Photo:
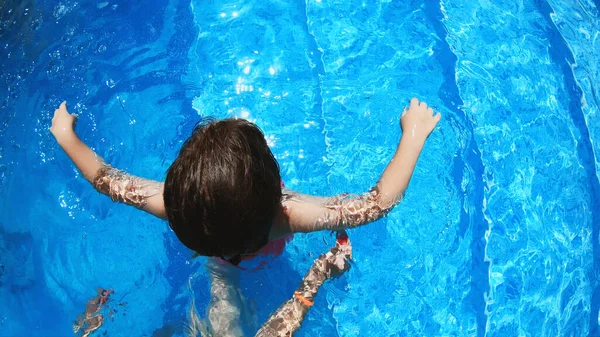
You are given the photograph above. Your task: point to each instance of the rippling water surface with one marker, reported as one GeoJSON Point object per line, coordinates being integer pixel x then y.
{"type": "Point", "coordinates": [498, 233]}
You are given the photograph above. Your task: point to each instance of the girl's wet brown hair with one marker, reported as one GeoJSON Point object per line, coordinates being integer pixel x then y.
{"type": "Point", "coordinates": [223, 190]}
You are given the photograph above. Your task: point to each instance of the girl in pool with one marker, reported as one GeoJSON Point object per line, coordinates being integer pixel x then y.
{"type": "Point", "coordinates": [223, 196]}
{"type": "Point", "coordinates": [286, 320]}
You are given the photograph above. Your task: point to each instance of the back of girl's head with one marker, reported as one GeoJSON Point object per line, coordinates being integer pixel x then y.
{"type": "Point", "coordinates": [223, 190]}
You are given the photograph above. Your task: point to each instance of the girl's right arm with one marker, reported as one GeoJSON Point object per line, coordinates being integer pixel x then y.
{"type": "Point", "coordinates": [120, 186]}
{"type": "Point", "coordinates": [304, 213]}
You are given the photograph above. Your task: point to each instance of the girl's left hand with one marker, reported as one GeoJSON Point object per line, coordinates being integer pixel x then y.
{"type": "Point", "coordinates": [62, 123]}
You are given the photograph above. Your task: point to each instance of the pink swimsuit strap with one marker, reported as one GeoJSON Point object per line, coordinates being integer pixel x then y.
{"type": "Point", "coordinates": [263, 256]}
{"type": "Point", "coordinates": [275, 247]}
{"type": "Point", "coordinates": [272, 249]}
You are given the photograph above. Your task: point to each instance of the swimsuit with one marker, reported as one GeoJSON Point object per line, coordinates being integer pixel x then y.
{"type": "Point", "coordinates": [262, 257]}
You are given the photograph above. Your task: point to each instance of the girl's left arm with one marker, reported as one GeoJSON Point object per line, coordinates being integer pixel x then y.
{"type": "Point", "coordinates": [131, 190]}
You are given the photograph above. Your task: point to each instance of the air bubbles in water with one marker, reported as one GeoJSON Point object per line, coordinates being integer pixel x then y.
{"type": "Point", "coordinates": [60, 11]}
{"type": "Point", "coordinates": [36, 24]}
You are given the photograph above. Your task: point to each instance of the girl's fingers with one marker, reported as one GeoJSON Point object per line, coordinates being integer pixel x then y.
{"type": "Point", "coordinates": [414, 102]}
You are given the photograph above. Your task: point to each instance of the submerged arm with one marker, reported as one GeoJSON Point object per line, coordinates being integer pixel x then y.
{"type": "Point", "coordinates": [288, 318]}
{"type": "Point", "coordinates": [120, 186]}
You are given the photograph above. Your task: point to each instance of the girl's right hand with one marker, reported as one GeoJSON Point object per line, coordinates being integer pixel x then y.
{"type": "Point", "coordinates": [62, 123]}
{"type": "Point", "coordinates": [418, 121]}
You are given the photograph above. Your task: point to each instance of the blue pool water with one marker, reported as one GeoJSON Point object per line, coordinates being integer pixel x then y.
{"type": "Point", "coordinates": [498, 234]}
